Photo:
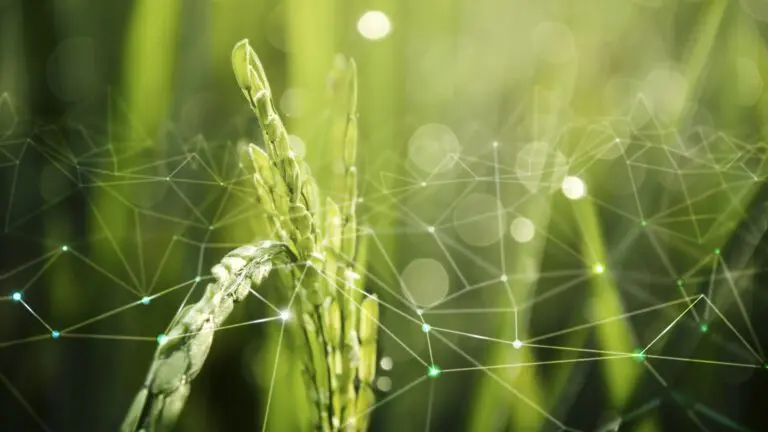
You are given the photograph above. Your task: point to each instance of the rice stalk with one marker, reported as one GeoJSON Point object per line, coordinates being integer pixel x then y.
{"type": "Point", "coordinates": [182, 351]}
{"type": "Point", "coordinates": [337, 325]}
{"type": "Point", "coordinates": [336, 322]}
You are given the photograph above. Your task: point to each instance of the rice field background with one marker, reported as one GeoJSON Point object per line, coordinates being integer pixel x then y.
{"type": "Point", "coordinates": [562, 204]}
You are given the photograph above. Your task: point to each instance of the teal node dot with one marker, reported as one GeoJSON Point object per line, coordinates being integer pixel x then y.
{"type": "Point", "coordinates": [16, 296]}
{"type": "Point", "coordinates": [704, 327]}
{"type": "Point", "coordinates": [55, 334]}
{"type": "Point", "coordinates": [639, 355]}
{"type": "Point", "coordinates": [426, 327]}
{"type": "Point", "coordinates": [433, 371]}
{"type": "Point", "coordinates": [162, 338]}
{"type": "Point", "coordinates": [145, 300]}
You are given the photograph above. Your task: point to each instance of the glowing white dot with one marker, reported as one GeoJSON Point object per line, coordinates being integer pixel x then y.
{"type": "Point", "coordinates": [374, 25]}
{"type": "Point", "coordinates": [522, 230]}
{"type": "Point", "coordinates": [285, 315]}
{"type": "Point", "coordinates": [598, 268]}
{"type": "Point", "coordinates": [517, 344]}
{"type": "Point", "coordinates": [384, 384]}
{"type": "Point", "coordinates": [574, 188]}
{"type": "Point", "coordinates": [503, 278]}
{"type": "Point", "coordinates": [431, 229]}
{"type": "Point", "coordinates": [386, 363]}
{"type": "Point", "coordinates": [65, 248]}
{"type": "Point", "coordinates": [495, 144]}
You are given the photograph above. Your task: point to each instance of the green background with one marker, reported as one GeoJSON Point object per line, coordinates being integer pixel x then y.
{"type": "Point", "coordinates": [102, 100]}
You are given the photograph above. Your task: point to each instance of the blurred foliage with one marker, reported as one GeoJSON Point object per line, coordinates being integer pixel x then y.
{"type": "Point", "coordinates": [658, 105]}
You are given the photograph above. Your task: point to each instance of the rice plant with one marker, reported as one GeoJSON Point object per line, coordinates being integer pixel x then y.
{"type": "Point", "coordinates": [333, 320]}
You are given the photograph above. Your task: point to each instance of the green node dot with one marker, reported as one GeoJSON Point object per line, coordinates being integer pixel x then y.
{"type": "Point", "coordinates": [704, 327]}
{"type": "Point", "coordinates": [598, 268]}
{"type": "Point", "coordinates": [426, 327]}
{"type": "Point", "coordinates": [644, 223]}
{"type": "Point", "coordinates": [639, 355]}
{"type": "Point", "coordinates": [680, 282]}
{"type": "Point", "coordinates": [433, 371]}
{"type": "Point", "coordinates": [717, 251]}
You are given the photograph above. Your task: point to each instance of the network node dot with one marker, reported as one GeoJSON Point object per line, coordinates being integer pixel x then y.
{"type": "Point", "coordinates": [431, 229]}
{"type": "Point", "coordinates": [64, 248]}
{"type": "Point", "coordinates": [598, 268]}
{"type": "Point", "coordinates": [419, 311]}
{"type": "Point", "coordinates": [198, 279]}
{"type": "Point", "coordinates": [433, 371]}
{"type": "Point", "coordinates": [423, 184]}
{"type": "Point", "coordinates": [517, 344]}
{"type": "Point", "coordinates": [704, 327]}
{"type": "Point", "coordinates": [55, 334]}
{"type": "Point", "coordinates": [426, 328]}
{"type": "Point", "coordinates": [211, 227]}
{"type": "Point", "coordinates": [145, 300]}
{"type": "Point", "coordinates": [285, 315]}
{"type": "Point", "coordinates": [639, 355]}
{"type": "Point", "coordinates": [495, 144]}
{"type": "Point", "coordinates": [644, 223]}
{"type": "Point", "coordinates": [680, 282]}
{"type": "Point", "coordinates": [504, 278]}
{"type": "Point", "coordinates": [717, 251]}
{"type": "Point", "coordinates": [16, 296]}
{"type": "Point", "coordinates": [162, 338]}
